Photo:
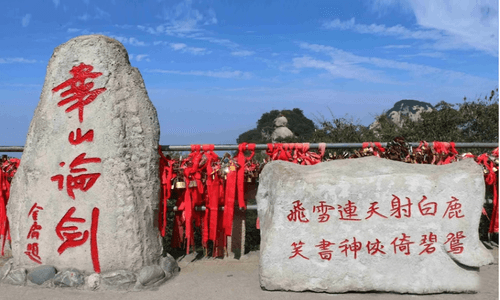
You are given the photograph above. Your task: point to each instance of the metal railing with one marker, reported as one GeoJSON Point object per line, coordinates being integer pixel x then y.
{"type": "Point", "coordinates": [264, 146]}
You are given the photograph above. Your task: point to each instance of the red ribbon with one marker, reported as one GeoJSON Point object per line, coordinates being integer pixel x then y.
{"type": "Point", "coordinates": [376, 147]}
{"type": "Point", "coordinates": [242, 160]}
{"type": "Point", "coordinates": [229, 199]}
{"type": "Point", "coordinates": [491, 179]}
{"type": "Point", "coordinates": [445, 148]}
{"type": "Point", "coordinates": [166, 176]}
{"type": "Point", "coordinates": [4, 198]}
{"type": "Point", "coordinates": [212, 204]}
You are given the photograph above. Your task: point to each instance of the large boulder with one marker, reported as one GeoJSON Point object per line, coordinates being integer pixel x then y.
{"type": "Point", "coordinates": [85, 193]}
{"type": "Point", "coordinates": [371, 224]}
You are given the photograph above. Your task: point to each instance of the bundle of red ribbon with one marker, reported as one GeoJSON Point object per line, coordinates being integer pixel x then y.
{"type": "Point", "coordinates": [7, 172]}
{"type": "Point", "coordinates": [205, 180]}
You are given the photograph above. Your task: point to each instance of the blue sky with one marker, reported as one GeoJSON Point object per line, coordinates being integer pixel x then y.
{"type": "Point", "coordinates": [212, 68]}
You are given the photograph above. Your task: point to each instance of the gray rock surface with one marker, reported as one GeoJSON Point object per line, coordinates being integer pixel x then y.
{"type": "Point", "coordinates": [113, 212]}
{"type": "Point", "coordinates": [120, 280]}
{"type": "Point", "coordinates": [169, 265]}
{"type": "Point", "coordinates": [150, 275]}
{"type": "Point", "coordinates": [5, 269]}
{"type": "Point", "coordinates": [41, 274]}
{"type": "Point", "coordinates": [281, 133]}
{"type": "Point", "coordinates": [324, 246]}
{"type": "Point", "coordinates": [93, 281]}
{"type": "Point", "coordinates": [280, 121]}
{"type": "Point", "coordinates": [16, 277]}
{"type": "Point", "coordinates": [69, 278]}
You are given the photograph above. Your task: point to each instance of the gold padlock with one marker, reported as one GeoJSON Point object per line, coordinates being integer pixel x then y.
{"type": "Point", "coordinates": [192, 184]}
{"type": "Point", "coordinates": [249, 179]}
{"type": "Point", "coordinates": [180, 185]}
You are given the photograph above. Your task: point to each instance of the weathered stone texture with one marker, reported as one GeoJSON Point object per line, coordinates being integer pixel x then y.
{"type": "Point", "coordinates": [41, 274]}
{"type": "Point", "coordinates": [16, 277]}
{"type": "Point", "coordinates": [126, 136]}
{"type": "Point", "coordinates": [150, 275]}
{"type": "Point", "coordinates": [286, 242]}
{"type": "Point", "coordinates": [69, 278]}
{"type": "Point", "coordinates": [119, 280]}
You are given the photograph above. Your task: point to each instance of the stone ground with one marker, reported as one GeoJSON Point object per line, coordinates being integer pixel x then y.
{"type": "Point", "coordinates": [233, 279]}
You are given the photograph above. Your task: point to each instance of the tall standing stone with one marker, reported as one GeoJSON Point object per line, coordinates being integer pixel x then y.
{"type": "Point", "coordinates": [86, 190]}
{"type": "Point", "coordinates": [371, 224]}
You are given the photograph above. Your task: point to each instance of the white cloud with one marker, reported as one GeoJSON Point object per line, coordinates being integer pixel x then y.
{"type": "Point", "coordinates": [222, 42]}
{"type": "Point", "coordinates": [17, 60]}
{"type": "Point", "coordinates": [348, 65]}
{"type": "Point", "coordinates": [178, 46]}
{"type": "Point", "coordinates": [425, 54]}
{"type": "Point", "coordinates": [56, 2]}
{"type": "Point", "coordinates": [84, 17]}
{"type": "Point", "coordinates": [101, 14]}
{"type": "Point", "coordinates": [242, 53]}
{"type": "Point", "coordinates": [383, 7]}
{"type": "Point", "coordinates": [340, 70]}
{"type": "Point", "coordinates": [216, 74]}
{"type": "Point", "coordinates": [449, 24]}
{"type": "Point", "coordinates": [396, 46]}
{"type": "Point", "coordinates": [397, 30]}
{"type": "Point", "coordinates": [139, 57]}
{"type": "Point", "coordinates": [129, 41]}
{"type": "Point", "coordinates": [183, 19]}
{"type": "Point", "coordinates": [469, 24]}
{"type": "Point", "coordinates": [183, 48]}
{"type": "Point", "coordinates": [26, 20]}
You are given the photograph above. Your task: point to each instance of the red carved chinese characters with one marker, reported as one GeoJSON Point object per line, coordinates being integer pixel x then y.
{"type": "Point", "coordinates": [79, 94]}
{"type": "Point", "coordinates": [374, 210]}
{"type": "Point", "coordinates": [87, 137]}
{"type": "Point", "coordinates": [297, 213]}
{"type": "Point", "coordinates": [34, 233]}
{"type": "Point", "coordinates": [348, 213]}
{"type": "Point", "coordinates": [429, 208]}
{"type": "Point", "coordinates": [453, 209]}
{"type": "Point", "coordinates": [325, 253]}
{"type": "Point", "coordinates": [297, 249]}
{"type": "Point", "coordinates": [322, 209]}
{"type": "Point", "coordinates": [427, 241]}
{"type": "Point", "coordinates": [81, 182]}
{"type": "Point", "coordinates": [32, 252]}
{"type": "Point", "coordinates": [399, 209]}
{"type": "Point", "coordinates": [374, 248]}
{"type": "Point", "coordinates": [354, 247]}
{"type": "Point", "coordinates": [79, 90]}
{"type": "Point", "coordinates": [71, 237]}
{"type": "Point", "coordinates": [453, 240]}
{"type": "Point", "coordinates": [403, 245]}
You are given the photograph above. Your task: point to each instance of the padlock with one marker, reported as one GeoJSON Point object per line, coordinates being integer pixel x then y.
{"type": "Point", "coordinates": [180, 185]}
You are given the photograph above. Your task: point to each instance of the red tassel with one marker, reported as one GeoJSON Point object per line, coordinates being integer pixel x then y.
{"type": "Point", "coordinates": [166, 176]}
{"type": "Point", "coordinates": [229, 199]}
{"type": "Point", "coordinates": [4, 198]}
{"type": "Point", "coordinates": [241, 175]}
{"type": "Point", "coordinates": [178, 232]}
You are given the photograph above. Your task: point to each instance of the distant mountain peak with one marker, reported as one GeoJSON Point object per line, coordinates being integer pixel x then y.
{"type": "Point", "coordinates": [405, 107]}
{"type": "Point", "coordinates": [409, 107]}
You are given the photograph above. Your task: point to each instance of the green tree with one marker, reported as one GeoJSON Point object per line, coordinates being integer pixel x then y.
{"type": "Point", "coordinates": [302, 127]}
